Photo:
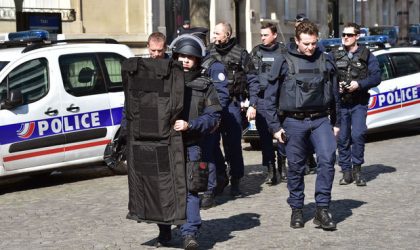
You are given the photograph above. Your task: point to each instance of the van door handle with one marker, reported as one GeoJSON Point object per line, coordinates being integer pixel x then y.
{"type": "Point", "coordinates": [73, 108]}
{"type": "Point", "coordinates": [51, 112]}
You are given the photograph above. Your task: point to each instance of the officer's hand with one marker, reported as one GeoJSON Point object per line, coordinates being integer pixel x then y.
{"type": "Point", "coordinates": [251, 113]}
{"type": "Point", "coordinates": [336, 131]}
{"type": "Point", "coordinates": [340, 89]}
{"type": "Point", "coordinates": [280, 136]}
{"type": "Point", "coordinates": [353, 86]}
{"type": "Point", "coordinates": [180, 125]}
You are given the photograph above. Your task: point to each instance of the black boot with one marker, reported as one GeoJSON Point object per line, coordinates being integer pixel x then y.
{"type": "Point", "coordinates": [296, 220]}
{"type": "Point", "coordinates": [190, 242]}
{"type": "Point", "coordinates": [323, 219]}
{"type": "Point", "coordinates": [272, 174]}
{"type": "Point", "coordinates": [357, 175]}
{"type": "Point", "coordinates": [222, 182]}
{"type": "Point", "coordinates": [165, 236]}
{"type": "Point", "coordinates": [347, 178]}
{"type": "Point", "coordinates": [234, 187]}
{"type": "Point", "coordinates": [207, 201]}
{"type": "Point", "coordinates": [282, 167]}
{"type": "Point", "coordinates": [311, 164]}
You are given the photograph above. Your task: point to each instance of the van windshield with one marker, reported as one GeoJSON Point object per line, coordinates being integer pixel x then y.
{"type": "Point", "coordinates": [382, 31]}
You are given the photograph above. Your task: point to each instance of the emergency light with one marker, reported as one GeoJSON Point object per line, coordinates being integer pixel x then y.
{"type": "Point", "coordinates": [28, 35]}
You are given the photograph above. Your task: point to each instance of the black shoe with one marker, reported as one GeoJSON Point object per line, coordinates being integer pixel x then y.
{"type": "Point", "coordinates": [296, 220]}
{"type": "Point", "coordinates": [323, 219]}
{"type": "Point", "coordinates": [207, 201]}
{"type": "Point", "coordinates": [165, 236]}
{"type": "Point", "coordinates": [190, 242]}
{"type": "Point", "coordinates": [310, 165]}
{"type": "Point", "coordinates": [272, 174]}
{"type": "Point", "coordinates": [222, 182]}
{"type": "Point", "coordinates": [347, 178]}
{"type": "Point", "coordinates": [282, 168]}
{"type": "Point", "coordinates": [357, 175]}
{"type": "Point", "coordinates": [234, 187]}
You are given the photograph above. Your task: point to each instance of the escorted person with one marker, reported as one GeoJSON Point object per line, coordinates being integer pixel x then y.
{"type": "Point", "coordinates": [263, 56]}
{"type": "Point", "coordinates": [156, 44]}
{"type": "Point", "coordinates": [358, 72]}
{"type": "Point", "coordinates": [151, 192]}
{"type": "Point", "coordinates": [304, 89]}
{"type": "Point", "coordinates": [242, 79]}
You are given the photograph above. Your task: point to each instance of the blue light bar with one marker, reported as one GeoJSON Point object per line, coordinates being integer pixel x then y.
{"type": "Point", "coordinates": [28, 35]}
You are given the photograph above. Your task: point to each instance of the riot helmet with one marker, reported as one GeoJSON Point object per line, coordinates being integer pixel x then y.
{"type": "Point", "coordinates": [188, 45]}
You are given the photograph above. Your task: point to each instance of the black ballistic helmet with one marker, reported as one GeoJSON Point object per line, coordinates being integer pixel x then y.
{"type": "Point", "coordinates": [189, 46]}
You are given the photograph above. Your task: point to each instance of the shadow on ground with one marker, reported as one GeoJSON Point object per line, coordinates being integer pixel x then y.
{"type": "Point", "coordinates": [209, 237]}
{"type": "Point", "coordinates": [340, 209]}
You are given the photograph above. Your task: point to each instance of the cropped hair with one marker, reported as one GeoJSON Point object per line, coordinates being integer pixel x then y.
{"type": "Point", "coordinates": [355, 26]}
{"type": "Point", "coordinates": [227, 27]}
{"type": "Point", "coordinates": [269, 25]}
{"type": "Point", "coordinates": [157, 36]}
{"type": "Point", "coordinates": [306, 28]}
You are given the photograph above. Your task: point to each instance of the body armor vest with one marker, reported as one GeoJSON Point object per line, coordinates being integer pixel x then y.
{"type": "Point", "coordinates": [263, 58]}
{"type": "Point", "coordinates": [307, 86]}
{"type": "Point", "coordinates": [237, 81]}
{"type": "Point", "coordinates": [352, 68]}
{"type": "Point", "coordinates": [154, 93]}
{"type": "Point", "coordinates": [201, 97]}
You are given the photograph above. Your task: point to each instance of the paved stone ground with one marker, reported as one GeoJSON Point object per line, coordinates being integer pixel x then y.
{"type": "Point", "coordinates": [86, 209]}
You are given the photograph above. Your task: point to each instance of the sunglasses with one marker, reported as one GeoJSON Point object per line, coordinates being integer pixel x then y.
{"type": "Point", "coordinates": [348, 35]}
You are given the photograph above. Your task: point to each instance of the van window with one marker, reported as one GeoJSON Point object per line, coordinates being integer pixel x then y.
{"type": "Point", "coordinates": [404, 64]}
{"type": "Point", "coordinates": [81, 74]}
{"type": "Point", "coordinates": [31, 78]}
{"type": "Point", "coordinates": [113, 70]}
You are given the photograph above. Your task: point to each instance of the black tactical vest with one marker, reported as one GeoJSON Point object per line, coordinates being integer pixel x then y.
{"type": "Point", "coordinates": [352, 68]}
{"type": "Point", "coordinates": [237, 81]}
{"type": "Point", "coordinates": [307, 87]}
{"type": "Point", "coordinates": [263, 58]}
{"type": "Point", "coordinates": [154, 93]}
{"type": "Point", "coordinates": [203, 95]}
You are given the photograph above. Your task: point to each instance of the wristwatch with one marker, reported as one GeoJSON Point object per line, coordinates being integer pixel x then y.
{"type": "Point", "coordinates": [189, 126]}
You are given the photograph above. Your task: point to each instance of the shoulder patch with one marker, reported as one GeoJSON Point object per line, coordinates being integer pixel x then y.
{"type": "Point", "coordinates": [221, 77]}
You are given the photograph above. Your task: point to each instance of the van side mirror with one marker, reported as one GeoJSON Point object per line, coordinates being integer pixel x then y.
{"type": "Point", "coordinates": [15, 99]}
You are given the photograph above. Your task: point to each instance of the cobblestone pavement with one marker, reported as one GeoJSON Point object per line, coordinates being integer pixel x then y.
{"type": "Point", "coordinates": [86, 209]}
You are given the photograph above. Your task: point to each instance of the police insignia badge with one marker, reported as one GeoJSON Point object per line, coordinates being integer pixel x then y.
{"type": "Point", "coordinates": [221, 76]}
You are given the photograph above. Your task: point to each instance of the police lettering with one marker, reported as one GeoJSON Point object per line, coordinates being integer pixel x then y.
{"type": "Point", "coordinates": [399, 96]}
{"type": "Point", "coordinates": [69, 123]}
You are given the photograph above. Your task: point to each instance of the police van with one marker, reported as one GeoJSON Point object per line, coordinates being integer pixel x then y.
{"type": "Point", "coordinates": [60, 103]}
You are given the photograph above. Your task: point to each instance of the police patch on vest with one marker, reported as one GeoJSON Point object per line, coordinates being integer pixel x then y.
{"type": "Point", "coordinates": [221, 77]}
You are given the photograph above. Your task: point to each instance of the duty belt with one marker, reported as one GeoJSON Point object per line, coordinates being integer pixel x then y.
{"type": "Point", "coordinates": [303, 115]}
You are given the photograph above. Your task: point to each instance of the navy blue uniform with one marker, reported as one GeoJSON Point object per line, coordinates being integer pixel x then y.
{"type": "Point", "coordinates": [351, 140]}
{"type": "Point", "coordinates": [305, 127]}
{"type": "Point", "coordinates": [211, 146]}
{"type": "Point", "coordinates": [231, 127]}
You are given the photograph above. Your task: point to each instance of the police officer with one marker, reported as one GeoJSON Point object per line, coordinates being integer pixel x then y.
{"type": "Point", "coordinates": [214, 69]}
{"type": "Point", "coordinates": [200, 117]}
{"type": "Point", "coordinates": [358, 72]}
{"type": "Point", "coordinates": [263, 56]}
{"type": "Point", "coordinates": [304, 89]}
{"type": "Point", "coordinates": [241, 78]}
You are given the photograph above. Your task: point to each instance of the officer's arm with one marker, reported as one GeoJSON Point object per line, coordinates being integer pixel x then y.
{"type": "Point", "coordinates": [218, 74]}
{"type": "Point", "coordinates": [373, 78]}
{"type": "Point", "coordinates": [335, 113]}
{"type": "Point", "coordinates": [209, 119]}
{"type": "Point", "coordinates": [252, 78]}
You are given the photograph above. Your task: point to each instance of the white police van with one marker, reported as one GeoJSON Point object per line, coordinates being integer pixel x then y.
{"type": "Point", "coordinates": [60, 103]}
